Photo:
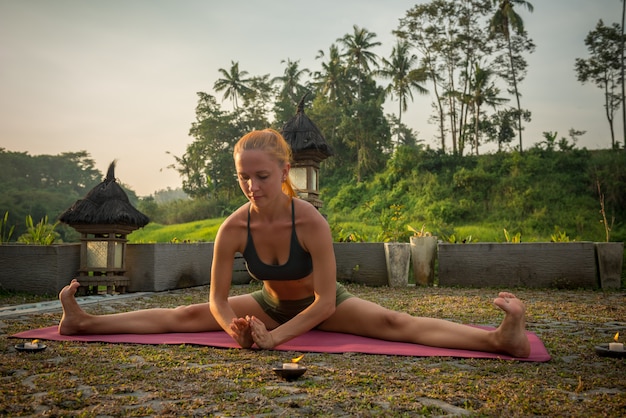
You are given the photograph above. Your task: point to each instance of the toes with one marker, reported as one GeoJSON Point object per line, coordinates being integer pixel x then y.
{"type": "Point", "coordinates": [507, 295]}
{"type": "Point", "coordinates": [501, 303]}
{"type": "Point", "coordinates": [510, 305]}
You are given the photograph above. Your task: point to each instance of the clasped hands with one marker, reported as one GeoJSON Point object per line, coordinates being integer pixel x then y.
{"type": "Point", "coordinates": [251, 330]}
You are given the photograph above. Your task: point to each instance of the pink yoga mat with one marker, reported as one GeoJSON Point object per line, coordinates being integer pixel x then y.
{"type": "Point", "coordinates": [312, 341]}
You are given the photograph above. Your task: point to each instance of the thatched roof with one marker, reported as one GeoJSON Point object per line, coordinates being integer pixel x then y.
{"type": "Point", "coordinates": [105, 204]}
{"type": "Point", "coordinates": [302, 134]}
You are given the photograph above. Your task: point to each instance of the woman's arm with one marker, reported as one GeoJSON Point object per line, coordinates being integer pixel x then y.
{"type": "Point", "coordinates": [226, 245]}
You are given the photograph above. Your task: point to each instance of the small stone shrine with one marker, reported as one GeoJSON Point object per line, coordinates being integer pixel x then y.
{"type": "Point", "coordinates": [104, 217]}
{"type": "Point", "coordinates": [309, 149]}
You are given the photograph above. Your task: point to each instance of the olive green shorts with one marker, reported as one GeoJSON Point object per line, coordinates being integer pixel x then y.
{"type": "Point", "coordinates": [282, 311]}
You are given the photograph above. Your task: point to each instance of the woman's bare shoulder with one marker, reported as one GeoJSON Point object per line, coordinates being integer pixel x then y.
{"type": "Point", "coordinates": [235, 221]}
{"type": "Point", "coordinates": [309, 221]}
{"type": "Point", "coordinates": [307, 213]}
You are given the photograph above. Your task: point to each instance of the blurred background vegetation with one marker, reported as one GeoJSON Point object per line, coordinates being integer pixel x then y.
{"type": "Point", "coordinates": [543, 194]}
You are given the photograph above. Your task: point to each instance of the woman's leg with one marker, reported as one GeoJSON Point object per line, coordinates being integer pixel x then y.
{"type": "Point", "coordinates": [361, 317]}
{"type": "Point", "coordinates": [192, 318]}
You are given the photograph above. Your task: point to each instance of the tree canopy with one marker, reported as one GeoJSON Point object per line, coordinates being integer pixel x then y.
{"type": "Point", "coordinates": [603, 68]}
{"type": "Point", "coordinates": [468, 57]}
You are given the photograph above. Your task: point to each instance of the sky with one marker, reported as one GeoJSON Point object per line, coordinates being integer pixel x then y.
{"type": "Point", "coordinates": [119, 78]}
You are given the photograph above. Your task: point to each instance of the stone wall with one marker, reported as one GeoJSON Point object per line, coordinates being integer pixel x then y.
{"type": "Point", "coordinates": [568, 265]}
{"type": "Point", "coordinates": [158, 267]}
{"type": "Point", "coordinates": [361, 262]}
{"type": "Point", "coordinates": [38, 269]}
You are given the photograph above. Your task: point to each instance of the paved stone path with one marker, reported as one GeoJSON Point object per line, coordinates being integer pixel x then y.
{"type": "Point", "coordinates": [55, 305]}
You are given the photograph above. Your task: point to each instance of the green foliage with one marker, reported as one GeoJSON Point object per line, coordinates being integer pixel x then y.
{"type": "Point", "coordinates": [393, 225]}
{"type": "Point", "coordinates": [517, 238]}
{"type": "Point", "coordinates": [342, 235]}
{"type": "Point", "coordinates": [419, 232]}
{"type": "Point", "coordinates": [528, 193]}
{"type": "Point", "coordinates": [609, 185]}
{"type": "Point", "coordinates": [452, 239]}
{"type": "Point", "coordinates": [188, 210]}
{"type": "Point", "coordinates": [198, 231]}
{"type": "Point", "coordinates": [559, 236]}
{"type": "Point", "coordinates": [207, 165]}
{"type": "Point", "coordinates": [43, 184]}
{"type": "Point", "coordinates": [348, 229]}
{"type": "Point", "coordinates": [42, 233]}
{"type": "Point", "coordinates": [460, 199]}
{"type": "Point", "coordinates": [5, 231]}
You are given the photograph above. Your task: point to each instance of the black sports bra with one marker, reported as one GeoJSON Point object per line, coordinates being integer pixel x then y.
{"type": "Point", "coordinates": [298, 266]}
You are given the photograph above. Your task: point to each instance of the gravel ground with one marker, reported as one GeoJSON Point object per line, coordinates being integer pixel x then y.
{"type": "Point", "coordinates": [94, 379]}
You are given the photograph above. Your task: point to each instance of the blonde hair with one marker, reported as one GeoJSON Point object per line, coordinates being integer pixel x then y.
{"type": "Point", "coordinates": [273, 143]}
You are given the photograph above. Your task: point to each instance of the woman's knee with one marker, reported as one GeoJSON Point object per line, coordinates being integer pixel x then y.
{"type": "Point", "coordinates": [395, 320]}
{"type": "Point", "coordinates": [190, 313]}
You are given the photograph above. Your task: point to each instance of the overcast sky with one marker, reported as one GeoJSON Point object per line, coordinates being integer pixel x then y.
{"type": "Point", "coordinates": [118, 78]}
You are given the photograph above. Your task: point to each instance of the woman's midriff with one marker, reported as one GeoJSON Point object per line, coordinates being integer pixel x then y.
{"type": "Point", "coordinates": [290, 290]}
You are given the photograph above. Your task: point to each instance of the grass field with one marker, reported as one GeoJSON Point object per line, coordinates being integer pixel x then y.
{"type": "Point", "coordinates": [204, 230]}
{"type": "Point", "coordinates": [96, 379]}
{"type": "Point", "coordinates": [343, 229]}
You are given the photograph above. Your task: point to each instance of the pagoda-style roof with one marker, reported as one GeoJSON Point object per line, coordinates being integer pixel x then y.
{"type": "Point", "coordinates": [105, 204]}
{"type": "Point", "coordinates": [302, 134]}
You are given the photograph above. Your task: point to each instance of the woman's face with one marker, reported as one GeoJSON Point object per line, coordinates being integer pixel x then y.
{"type": "Point", "coordinates": [260, 176]}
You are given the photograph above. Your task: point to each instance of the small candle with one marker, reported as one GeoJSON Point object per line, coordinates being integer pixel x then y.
{"type": "Point", "coordinates": [31, 345]}
{"type": "Point", "coordinates": [290, 365]}
{"type": "Point", "coordinates": [616, 346]}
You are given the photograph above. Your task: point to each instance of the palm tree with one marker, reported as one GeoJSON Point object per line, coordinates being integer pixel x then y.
{"type": "Point", "coordinates": [357, 49]}
{"type": "Point", "coordinates": [502, 21]}
{"type": "Point", "coordinates": [233, 84]}
{"type": "Point", "coordinates": [482, 92]}
{"type": "Point", "coordinates": [329, 81]}
{"type": "Point", "coordinates": [622, 75]}
{"type": "Point", "coordinates": [404, 77]}
{"type": "Point", "coordinates": [292, 87]}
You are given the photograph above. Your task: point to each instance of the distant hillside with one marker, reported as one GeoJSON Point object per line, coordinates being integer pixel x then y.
{"type": "Point", "coordinates": [168, 195]}
{"type": "Point", "coordinates": [537, 194]}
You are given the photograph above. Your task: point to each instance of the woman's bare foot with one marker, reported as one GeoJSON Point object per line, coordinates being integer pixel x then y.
{"type": "Point", "coordinates": [511, 335]}
{"type": "Point", "coordinates": [72, 313]}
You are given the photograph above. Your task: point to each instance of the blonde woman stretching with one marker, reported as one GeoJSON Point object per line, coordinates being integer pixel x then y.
{"type": "Point", "coordinates": [287, 245]}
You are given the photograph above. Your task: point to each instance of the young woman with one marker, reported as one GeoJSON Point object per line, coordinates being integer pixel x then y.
{"type": "Point", "coordinates": [287, 244]}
